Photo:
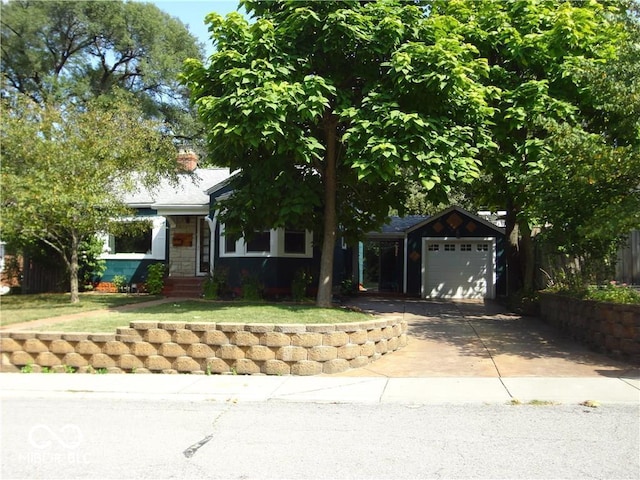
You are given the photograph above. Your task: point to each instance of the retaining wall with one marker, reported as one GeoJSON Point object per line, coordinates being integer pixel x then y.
{"type": "Point", "coordinates": [169, 347]}
{"type": "Point", "coordinates": [605, 327]}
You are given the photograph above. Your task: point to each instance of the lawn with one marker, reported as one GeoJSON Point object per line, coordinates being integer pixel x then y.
{"type": "Point", "coordinates": [206, 311]}
{"type": "Point", "coordinates": [23, 308]}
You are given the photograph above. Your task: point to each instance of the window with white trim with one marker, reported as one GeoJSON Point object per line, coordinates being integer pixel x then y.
{"type": "Point", "coordinates": [482, 247]}
{"type": "Point", "coordinates": [138, 242]}
{"type": "Point", "coordinates": [465, 247]}
{"type": "Point", "coordinates": [449, 247]}
{"type": "Point", "coordinates": [278, 242]}
{"type": "Point", "coordinates": [433, 247]}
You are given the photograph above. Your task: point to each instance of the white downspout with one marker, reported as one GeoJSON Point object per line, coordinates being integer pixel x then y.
{"type": "Point", "coordinates": [212, 243]}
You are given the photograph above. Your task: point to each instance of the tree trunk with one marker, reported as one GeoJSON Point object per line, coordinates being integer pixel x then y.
{"type": "Point", "coordinates": [514, 273]}
{"type": "Point", "coordinates": [325, 283]}
{"type": "Point", "coordinates": [73, 268]}
{"type": "Point", "coordinates": [527, 257]}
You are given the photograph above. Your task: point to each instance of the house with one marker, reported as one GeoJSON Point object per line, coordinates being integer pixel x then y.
{"type": "Point", "coordinates": [454, 254]}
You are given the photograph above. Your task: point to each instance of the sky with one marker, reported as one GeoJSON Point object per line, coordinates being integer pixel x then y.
{"type": "Point", "coordinates": [192, 13]}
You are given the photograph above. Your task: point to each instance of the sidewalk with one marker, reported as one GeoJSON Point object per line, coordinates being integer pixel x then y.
{"type": "Point", "coordinates": [319, 389]}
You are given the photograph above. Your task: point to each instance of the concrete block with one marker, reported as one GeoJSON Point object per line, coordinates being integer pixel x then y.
{"type": "Point", "coordinates": [290, 328]}
{"type": "Point", "coordinates": [127, 331]}
{"type": "Point", "coordinates": [306, 339]}
{"type": "Point", "coordinates": [34, 345]}
{"type": "Point", "coordinates": [157, 363]}
{"type": "Point", "coordinates": [349, 351]}
{"type": "Point", "coordinates": [402, 340]}
{"type": "Point", "coordinates": [245, 366]}
{"type": "Point", "coordinates": [382, 347]}
{"type": "Point", "coordinates": [349, 327]}
{"type": "Point", "coordinates": [244, 339]}
{"type": "Point", "coordinates": [87, 347]}
{"type": "Point", "coordinates": [260, 327]}
{"type": "Point", "coordinates": [215, 337]}
{"type": "Point", "coordinates": [359, 362]}
{"type": "Point", "coordinates": [10, 345]}
{"type": "Point", "coordinates": [61, 346]}
{"type": "Point", "coordinates": [75, 337]}
{"type": "Point", "coordinates": [115, 348]}
{"type": "Point", "coordinates": [276, 367]}
{"type": "Point", "coordinates": [102, 337]}
{"type": "Point", "coordinates": [306, 367]}
{"type": "Point", "coordinates": [171, 350]}
{"type": "Point", "coordinates": [143, 325]}
{"type": "Point", "coordinates": [260, 353]}
{"type": "Point", "coordinates": [291, 354]}
{"type": "Point", "coordinates": [186, 364]}
{"type": "Point", "coordinates": [276, 339]}
{"type": "Point", "coordinates": [387, 333]}
{"type": "Point", "coordinates": [200, 326]}
{"type": "Point", "coordinates": [200, 350]}
{"type": "Point", "coordinates": [393, 344]}
{"type": "Point", "coordinates": [320, 327]}
{"type": "Point", "coordinates": [112, 370]}
{"type": "Point", "coordinates": [47, 359]}
{"type": "Point", "coordinates": [368, 349]}
{"type": "Point", "coordinates": [74, 360]}
{"type": "Point", "coordinates": [142, 370]}
{"type": "Point", "coordinates": [157, 335]}
{"type": "Point", "coordinates": [185, 337]}
{"type": "Point", "coordinates": [49, 336]}
{"type": "Point", "coordinates": [8, 368]}
{"type": "Point", "coordinates": [322, 353]}
{"type": "Point", "coordinates": [375, 334]}
{"type": "Point", "coordinates": [143, 349]}
{"type": "Point", "coordinates": [22, 335]}
{"type": "Point", "coordinates": [359, 337]}
{"type": "Point", "coordinates": [229, 352]}
{"type": "Point", "coordinates": [216, 365]}
{"type": "Point", "coordinates": [100, 360]}
{"type": "Point", "coordinates": [335, 339]}
{"type": "Point", "coordinates": [336, 365]}
{"type": "Point", "coordinates": [130, 362]}
{"type": "Point", "coordinates": [230, 327]}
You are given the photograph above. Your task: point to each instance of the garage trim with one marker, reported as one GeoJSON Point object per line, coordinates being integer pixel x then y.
{"type": "Point", "coordinates": [491, 276]}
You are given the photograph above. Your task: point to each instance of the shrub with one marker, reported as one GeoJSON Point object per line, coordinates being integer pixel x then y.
{"type": "Point", "coordinates": [613, 292]}
{"type": "Point", "coordinates": [120, 282]}
{"type": "Point", "coordinates": [301, 281]}
{"type": "Point", "coordinates": [155, 278]}
{"type": "Point", "coordinates": [251, 287]}
{"type": "Point", "coordinates": [215, 286]}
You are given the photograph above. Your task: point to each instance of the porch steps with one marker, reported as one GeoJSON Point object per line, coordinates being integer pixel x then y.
{"type": "Point", "coordinates": [183, 287]}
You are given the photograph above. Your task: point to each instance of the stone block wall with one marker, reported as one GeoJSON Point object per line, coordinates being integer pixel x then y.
{"type": "Point", "coordinates": [171, 347]}
{"type": "Point", "coordinates": [605, 327]}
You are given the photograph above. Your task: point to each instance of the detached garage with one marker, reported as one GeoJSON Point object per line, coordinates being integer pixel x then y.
{"type": "Point", "coordinates": [453, 255]}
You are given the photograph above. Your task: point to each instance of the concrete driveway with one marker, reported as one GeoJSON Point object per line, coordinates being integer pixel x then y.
{"type": "Point", "coordinates": [475, 338]}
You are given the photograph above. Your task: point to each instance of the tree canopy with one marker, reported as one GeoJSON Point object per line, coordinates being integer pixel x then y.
{"type": "Point", "coordinates": [63, 171]}
{"type": "Point", "coordinates": [328, 108]}
{"type": "Point", "coordinates": [57, 52]}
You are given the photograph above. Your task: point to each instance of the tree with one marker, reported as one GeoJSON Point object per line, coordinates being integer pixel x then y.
{"type": "Point", "coordinates": [63, 171]}
{"type": "Point", "coordinates": [328, 108]}
{"type": "Point", "coordinates": [56, 52]}
{"type": "Point", "coordinates": [537, 51]}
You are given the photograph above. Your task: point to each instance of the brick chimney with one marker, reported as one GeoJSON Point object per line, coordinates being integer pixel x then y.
{"type": "Point", "coordinates": [187, 160]}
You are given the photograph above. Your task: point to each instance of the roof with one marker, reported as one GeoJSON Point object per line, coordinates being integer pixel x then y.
{"type": "Point", "coordinates": [189, 195]}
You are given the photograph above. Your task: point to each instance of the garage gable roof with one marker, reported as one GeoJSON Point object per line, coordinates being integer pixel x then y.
{"type": "Point", "coordinates": [460, 210]}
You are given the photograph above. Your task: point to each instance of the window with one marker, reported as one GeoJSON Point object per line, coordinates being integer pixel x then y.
{"type": "Point", "coordinates": [135, 241]}
{"type": "Point", "coordinates": [465, 247]}
{"type": "Point", "coordinates": [272, 243]}
{"type": "Point", "coordinates": [260, 242]}
{"type": "Point", "coordinates": [132, 242]}
{"type": "Point", "coordinates": [482, 247]}
{"type": "Point", "coordinates": [433, 247]}
{"type": "Point", "coordinates": [295, 242]}
{"type": "Point", "coordinates": [449, 247]}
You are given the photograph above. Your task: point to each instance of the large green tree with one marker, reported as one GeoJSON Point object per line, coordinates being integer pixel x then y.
{"type": "Point", "coordinates": [64, 170]}
{"type": "Point", "coordinates": [327, 109]}
{"type": "Point", "coordinates": [537, 51]}
{"type": "Point", "coordinates": [57, 52]}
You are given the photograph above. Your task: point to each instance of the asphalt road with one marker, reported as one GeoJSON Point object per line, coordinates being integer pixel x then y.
{"type": "Point", "coordinates": [51, 437]}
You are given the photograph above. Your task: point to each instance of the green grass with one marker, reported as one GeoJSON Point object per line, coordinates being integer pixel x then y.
{"type": "Point", "coordinates": [204, 311]}
{"type": "Point", "coordinates": [23, 308]}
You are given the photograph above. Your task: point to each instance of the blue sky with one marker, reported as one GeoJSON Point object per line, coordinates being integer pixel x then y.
{"type": "Point", "coordinates": [192, 13]}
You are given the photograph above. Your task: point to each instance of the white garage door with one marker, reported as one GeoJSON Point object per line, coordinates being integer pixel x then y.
{"type": "Point", "coordinates": [458, 268]}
